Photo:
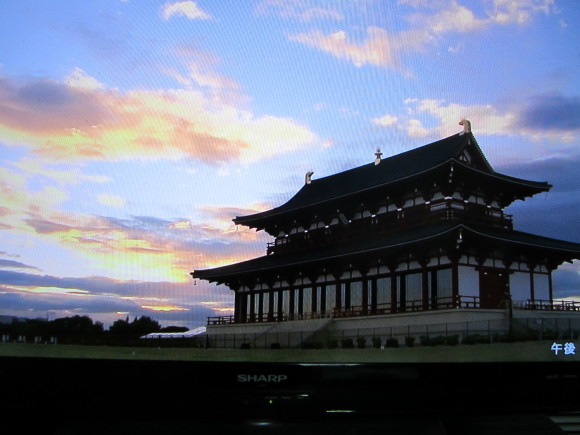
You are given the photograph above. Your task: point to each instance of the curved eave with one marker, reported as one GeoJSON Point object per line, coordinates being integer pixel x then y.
{"type": "Point", "coordinates": [253, 220]}
{"type": "Point", "coordinates": [258, 220]}
{"type": "Point", "coordinates": [569, 250]}
{"type": "Point", "coordinates": [538, 186]}
{"type": "Point", "coordinates": [334, 253]}
{"type": "Point", "coordinates": [524, 242]}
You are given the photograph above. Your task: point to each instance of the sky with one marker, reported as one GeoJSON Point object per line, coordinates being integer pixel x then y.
{"type": "Point", "coordinates": [132, 132]}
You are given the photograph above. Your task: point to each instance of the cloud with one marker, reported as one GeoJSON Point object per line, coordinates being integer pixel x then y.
{"type": "Point", "coordinates": [80, 79]}
{"type": "Point", "coordinates": [551, 112]}
{"type": "Point", "coordinates": [566, 281]}
{"type": "Point", "coordinates": [32, 295]}
{"type": "Point", "coordinates": [415, 128]}
{"type": "Point", "coordinates": [63, 123]}
{"type": "Point", "coordinates": [382, 48]}
{"type": "Point", "coordinates": [550, 117]}
{"type": "Point", "coordinates": [374, 50]}
{"type": "Point", "coordinates": [454, 18]}
{"type": "Point", "coordinates": [4, 264]}
{"type": "Point", "coordinates": [110, 200]}
{"type": "Point", "coordinates": [488, 118]}
{"type": "Point", "coordinates": [518, 11]}
{"type": "Point", "coordinates": [153, 248]}
{"type": "Point", "coordinates": [298, 9]}
{"type": "Point", "coordinates": [61, 173]}
{"type": "Point", "coordinates": [188, 9]}
{"type": "Point", "coordinates": [385, 120]}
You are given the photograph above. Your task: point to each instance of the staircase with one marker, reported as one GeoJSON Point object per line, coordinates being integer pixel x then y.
{"type": "Point", "coordinates": [293, 334]}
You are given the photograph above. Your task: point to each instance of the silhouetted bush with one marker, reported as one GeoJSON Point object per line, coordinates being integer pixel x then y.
{"type": "Point", "coordinates": [392, 342]}
{"type": "Point", "coordinates": [452, 340]}
{"type": "Point", "coordinates": [476, 339]}
{"type": "Point", "coordinates": [312, 345]}
{"type": "Point", "coordinates": [347, 343]}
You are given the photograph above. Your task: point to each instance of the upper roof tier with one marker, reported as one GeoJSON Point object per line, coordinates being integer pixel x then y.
{"type": "Point", "coordinates": [391, 174]}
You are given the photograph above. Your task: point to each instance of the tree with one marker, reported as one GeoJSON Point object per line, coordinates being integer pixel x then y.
{"type": "Point", "coordinates": [125, 332]}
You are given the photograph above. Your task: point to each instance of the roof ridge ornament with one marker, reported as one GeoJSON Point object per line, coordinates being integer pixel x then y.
{"type": "Point", "coordinates": [466, 126]}
{"type": "Point", "coordinates": [308, 177]}
{"type": "Point", "coordinates": [378, 156]}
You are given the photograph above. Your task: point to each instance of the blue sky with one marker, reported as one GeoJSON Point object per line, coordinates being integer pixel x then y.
{"type": "Point", "coordinates": [132, 132]}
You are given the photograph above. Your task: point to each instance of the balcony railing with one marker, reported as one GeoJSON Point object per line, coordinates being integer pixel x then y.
{"type": "Point", "coordinates": [395, 220]}
{"type": "Point", "coordinates": [445, 303]}
{"type": "Point", "coordinates": [545, 305]}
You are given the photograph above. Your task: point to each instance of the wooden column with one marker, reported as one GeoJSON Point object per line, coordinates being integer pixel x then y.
{"type": "Point", "coordinates": [347, 295]}
{"type": "Point", "coordinates": [455, 280]}
{"type": "Point", "coordinates": [402, 292]}
{"type": "Point", "coordinates": [237, 307]}
{"type": "Point", "coordinates": [271, 307]}
{"type": "Point", "coordinates": [336, 274]}
{"type": "Point", "coordinates": [532, 284]}
{"type": "Point", "coordinates": [280, 309]}
{"type": "Point", "coordinates": [550, 286]}
{"type": "Point", "coordinates": [260, 306]}
{"type": "Point", "coordinates": [424, 283]}
{"type": "Point", "coordinates": [323, 308]}
{"type": "Point", "coordinates": [365, 289]}
{"type": "Point", "coordinates": [394, 287]}
{"type": "Point", "coordinates": [252, 317]}
{"type": "Point", "coordinates": [314, 293]}
{"type": "Point", "coordinates": [291, 302]}
{"type": "Point", "coordinates": [373, 309]}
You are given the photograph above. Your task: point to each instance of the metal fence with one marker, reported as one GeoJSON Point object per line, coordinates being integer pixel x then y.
{"type": "Point", "coordinates": [484, 331]}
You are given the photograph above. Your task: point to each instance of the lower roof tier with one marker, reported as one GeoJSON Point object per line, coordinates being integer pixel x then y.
{"type": "Point", "coordinates": [447, 238]}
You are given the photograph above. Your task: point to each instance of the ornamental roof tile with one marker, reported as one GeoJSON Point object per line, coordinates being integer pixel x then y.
{"type": "Point", "coordinates": [391, 170]}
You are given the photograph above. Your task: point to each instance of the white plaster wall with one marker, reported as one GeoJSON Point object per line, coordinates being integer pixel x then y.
{"type": "Point", "coordinates": [402, 267]}
{"type": "Point", "coordinates": [541, 287]}
{"type": "Point", "coordinates": [520, 286]}
{"type": "Point", "coordinates": [444, 260]}
{"type": "Point", "coordinates": [523, 267]}
{"type": "Point", "coordinates": [414, 265]}
{"type": "Point", "coordinates": [433, 261]}
{"type": "Point", "coordinates": [468, 281]}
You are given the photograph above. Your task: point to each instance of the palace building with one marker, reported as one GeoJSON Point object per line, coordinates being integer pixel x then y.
{"type": "Point", "coordinates": [412, 244]}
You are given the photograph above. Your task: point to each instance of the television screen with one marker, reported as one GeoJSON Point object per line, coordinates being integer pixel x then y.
{"type": "Point", "coordinates": [290, 190]}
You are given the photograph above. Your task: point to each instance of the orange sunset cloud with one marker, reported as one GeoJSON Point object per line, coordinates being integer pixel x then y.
{"type": "Point", "coordinates": [64, 121]}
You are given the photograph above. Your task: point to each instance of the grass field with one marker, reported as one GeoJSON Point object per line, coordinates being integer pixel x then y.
{"type": "Point", "coordinates": [500, 352]}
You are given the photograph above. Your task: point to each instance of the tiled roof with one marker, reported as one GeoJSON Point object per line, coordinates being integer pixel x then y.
{"type": "Point", "coordinates": [391, 170]}
{"type": "Point", "coordinates": [389, 243]}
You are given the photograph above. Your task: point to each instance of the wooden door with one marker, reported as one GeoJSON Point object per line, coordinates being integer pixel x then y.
{"type": "Point", "coordinates": [493, 288]}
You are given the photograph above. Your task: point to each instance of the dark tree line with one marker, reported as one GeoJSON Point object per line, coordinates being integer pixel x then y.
{"type": "Point", "coordinates": [82, 330]}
